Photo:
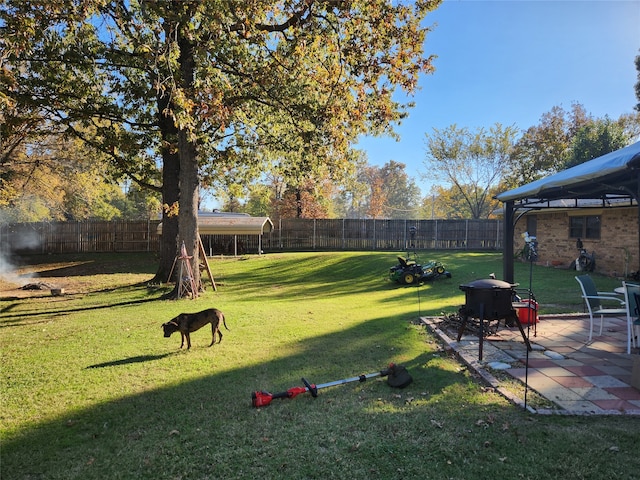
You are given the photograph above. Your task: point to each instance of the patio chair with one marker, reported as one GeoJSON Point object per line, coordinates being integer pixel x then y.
{"type": "Point", "coordinates": [631, 295]}
{"type": "Point", "coordinates": [593, 300]}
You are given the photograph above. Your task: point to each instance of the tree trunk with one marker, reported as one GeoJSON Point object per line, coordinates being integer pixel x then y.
{"type": "Point", "coordinates": [189, 178]}
{"type": "Point", "coordinates": [170, 189]}
{"type": "Point", "coordinates": [298, 203]}
{"type": "Point", "coordinates": [188, 216]}
{"type": "Point", "coordinates": [170, 196]}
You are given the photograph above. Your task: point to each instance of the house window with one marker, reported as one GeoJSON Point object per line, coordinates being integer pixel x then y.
{"type": "Point", "coordinates": [587, 226]}
{"type": "Point", "coordinates": [532, 225]}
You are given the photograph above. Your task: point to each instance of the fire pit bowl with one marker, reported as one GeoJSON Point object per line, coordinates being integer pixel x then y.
{"type": "Point", "coordinates": [488, 298]}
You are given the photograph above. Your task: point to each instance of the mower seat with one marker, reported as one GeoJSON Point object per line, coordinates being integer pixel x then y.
{"type": "Point", "coordinates": [405, 263]}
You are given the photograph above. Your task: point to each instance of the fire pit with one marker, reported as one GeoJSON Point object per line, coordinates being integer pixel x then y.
{"type": "Point", "coordinates": [489, 299]}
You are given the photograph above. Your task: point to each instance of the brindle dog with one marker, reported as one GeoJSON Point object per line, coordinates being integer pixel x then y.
{"type": "Point", "coordinates": [185, 323]}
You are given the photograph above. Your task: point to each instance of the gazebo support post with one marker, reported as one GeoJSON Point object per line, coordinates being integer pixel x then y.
{"type": "Point", "coordinates": [508, 250]}
{"type": "Point", "coordinates": [637, 196]}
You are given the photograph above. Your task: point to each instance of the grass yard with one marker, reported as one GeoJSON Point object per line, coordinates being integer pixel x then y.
{"type": "Point", "coordinates": [90, 389]}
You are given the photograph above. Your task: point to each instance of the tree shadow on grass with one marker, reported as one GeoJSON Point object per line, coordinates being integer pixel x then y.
{"type": "Point", "coordinates": [177, 430]}
{"type": "Point", "coordinates": [13, 319]}
{"type": "Point", "coordinates": [84, 264]}
{"type": "Point", "coordinates": [130, 360]}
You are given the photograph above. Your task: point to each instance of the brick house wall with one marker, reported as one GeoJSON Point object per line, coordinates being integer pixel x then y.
{"type": "Point", "coordinates": [616, 251]}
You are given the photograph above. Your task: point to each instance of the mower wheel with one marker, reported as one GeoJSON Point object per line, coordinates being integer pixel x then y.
{"type": "Point", "coordinates": [440, 270]}
{"type": "Point", "coordinates": [408, 278]}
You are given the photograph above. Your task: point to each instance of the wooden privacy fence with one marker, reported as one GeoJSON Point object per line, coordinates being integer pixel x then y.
{"type": "Point", "coordinates": [80, 237]}
{"type": "Point", "coordinates": [369, 234]}
{"type": "Point", "coordinates": [293, 234]}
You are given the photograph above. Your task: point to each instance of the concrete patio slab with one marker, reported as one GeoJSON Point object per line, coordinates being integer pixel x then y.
{"type": "Point", "coordinates": [577, 376]}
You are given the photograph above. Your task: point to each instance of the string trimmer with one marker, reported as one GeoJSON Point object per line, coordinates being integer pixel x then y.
{"type": "Point", "coordinates": [398, 377]}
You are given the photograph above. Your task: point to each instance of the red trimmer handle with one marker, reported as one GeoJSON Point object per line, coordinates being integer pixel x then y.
{"type": "Point", "coordinates": [262, 399]}
{"type": "Point", "coordinates": [294, 391]}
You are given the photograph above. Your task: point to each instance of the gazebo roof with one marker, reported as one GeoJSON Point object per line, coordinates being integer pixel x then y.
{"type": "Point", "coordinates": [613, 175]}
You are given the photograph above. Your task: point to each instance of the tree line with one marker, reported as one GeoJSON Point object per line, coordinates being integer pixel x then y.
{"type": "Point", "coordinates": [53, 178]}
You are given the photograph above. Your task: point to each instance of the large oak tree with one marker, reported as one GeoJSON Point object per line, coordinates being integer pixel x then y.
{"type": "Point", "coordinates": [202, 88]}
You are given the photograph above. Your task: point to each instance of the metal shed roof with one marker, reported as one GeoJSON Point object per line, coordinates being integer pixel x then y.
{"type": "Point", "coordinates": [230, 224]}
{"type": "Point", "coordinates": [233, 225]}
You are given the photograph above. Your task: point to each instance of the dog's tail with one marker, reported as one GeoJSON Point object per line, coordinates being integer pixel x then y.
{"type": "Point", "coordinates": [224, 322]}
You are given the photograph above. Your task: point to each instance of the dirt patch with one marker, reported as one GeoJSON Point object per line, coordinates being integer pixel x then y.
{"type": "Point", "coordinates": [75, 274]}
{"type": "Point", "coordinates": [34, 288]}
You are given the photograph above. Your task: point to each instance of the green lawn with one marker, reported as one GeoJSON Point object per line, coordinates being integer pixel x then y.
{"type": "Point", "coordinates": [91, 389]}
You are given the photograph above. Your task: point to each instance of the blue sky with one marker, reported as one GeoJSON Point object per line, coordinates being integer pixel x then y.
{"type": "Point", "coordinates": [511, 61]}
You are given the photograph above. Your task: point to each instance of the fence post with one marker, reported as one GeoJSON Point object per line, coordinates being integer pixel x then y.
{"type": "Point", "coordinates": [374, 234]}
{"type": "Point", "coordinates": [343, 234]}
{"type": "Point", "coordinates": [435, 234]}
{"type": "Point", "coordinates": [466, 234]}
{"type": "Point", "coordinates": [314, 234]}
{"type": "Point", "coordinates": [404, 234]}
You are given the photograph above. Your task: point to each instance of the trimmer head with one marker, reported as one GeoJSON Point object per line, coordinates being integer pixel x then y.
{"type": "Point", "coordinates": [398, 376]}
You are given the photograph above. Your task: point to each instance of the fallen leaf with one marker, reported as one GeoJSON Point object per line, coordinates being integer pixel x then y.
{"type": "Point", "coordinates": [174, 432]}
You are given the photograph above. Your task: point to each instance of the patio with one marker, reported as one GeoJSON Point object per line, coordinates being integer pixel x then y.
{"type": "Point", "coordinates": [579, 378]}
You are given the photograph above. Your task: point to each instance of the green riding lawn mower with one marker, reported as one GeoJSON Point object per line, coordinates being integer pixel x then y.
{"type": "Point", "coordinates": [408, 271]}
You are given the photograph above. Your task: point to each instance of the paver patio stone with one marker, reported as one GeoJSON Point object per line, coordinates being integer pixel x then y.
{"type": "Point", "coordinates": [578, 377]}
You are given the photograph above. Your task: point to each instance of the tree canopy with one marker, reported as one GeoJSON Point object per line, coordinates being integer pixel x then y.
{"type": "Point", "coordinates": [473, 163]}
{"type": "Point", "coordinates": [210, 88]}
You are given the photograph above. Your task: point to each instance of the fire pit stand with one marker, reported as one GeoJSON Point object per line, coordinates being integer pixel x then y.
{"type": "Point", "coordinates": [489, 299]}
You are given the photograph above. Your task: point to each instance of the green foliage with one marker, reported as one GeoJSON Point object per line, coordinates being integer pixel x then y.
{"type": "Point", "coordinates": [472, 163]}
{"type": "Point", "coordinates": [596, 138]}
{"type": "Point", "coordinates": [544, 148]}
{"type": "Point", "coordinates": [401, 193]}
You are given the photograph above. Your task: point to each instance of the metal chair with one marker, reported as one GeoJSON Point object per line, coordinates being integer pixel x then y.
{"type": "Point", "coordinates": [631, 295]}
{"type": "Point", "coordinates": [593, 298]}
